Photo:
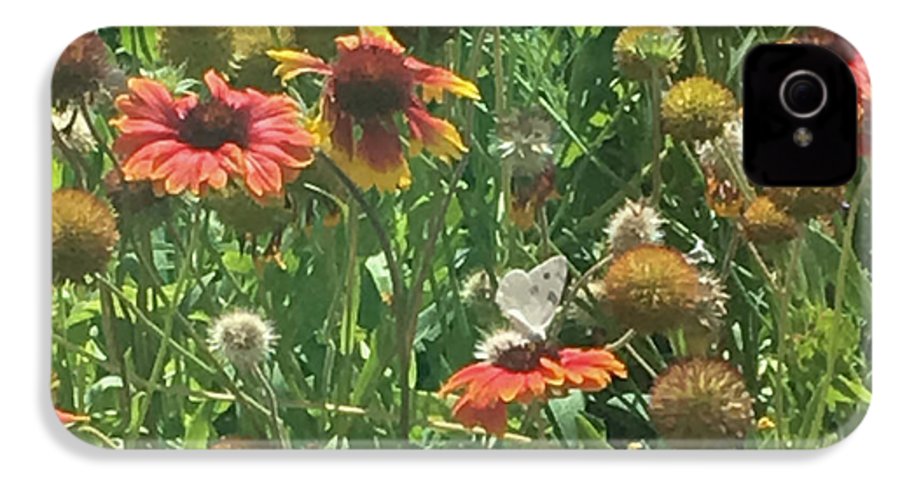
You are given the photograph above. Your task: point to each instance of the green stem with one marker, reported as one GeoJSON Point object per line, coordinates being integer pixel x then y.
{"type": "Point", "coordinates": [407, 328]}
{"type": "Point", "coordinates": [700, 62]}
{"type": "Point", "coordinates": [779, 315]}
{"type": "Point", "coordinates": [277, 425]}
{"type": "Point", "coordinates": [656, 131]}
{"type": "Point", "coordinates": [840, 290]}
{"type": "Point", "coordinates": [161, 353]}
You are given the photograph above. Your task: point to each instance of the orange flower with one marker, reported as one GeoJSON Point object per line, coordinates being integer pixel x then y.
{"type": "Point", "coordinates": [186, 142]}
{"type": "Point", "coordinates": [370, 85]}
{"type": "Point", "coordinates": [517, 369]}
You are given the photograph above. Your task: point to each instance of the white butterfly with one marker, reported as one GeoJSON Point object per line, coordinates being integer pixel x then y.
{"type": "Point", "coordinates": [529, 299]}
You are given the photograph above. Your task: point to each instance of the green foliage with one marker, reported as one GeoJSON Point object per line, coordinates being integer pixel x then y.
{"type": "Point", "coordinates": [130, 347]}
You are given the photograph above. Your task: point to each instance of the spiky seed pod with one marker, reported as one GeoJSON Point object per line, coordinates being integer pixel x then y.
{"type": "Point", "coordinates": [701, 403]}
{"type": "Point", "coordinates": [199, 48]}
{"type": "Point", "coordinates": [804, 203]}
{"type": "Point", "coordinates": [635, 223]}
{"type": "Point", "coordinates": [253, 67]}
{"type": "Point", "coordinates": [244, 338]}
{"type": "Point", "coordinates": [525, 141]}
{"type": "Point", "coordinates": [245, 215]}
{"type": "Point", "coordinates": [84, 234]}
{"type": "Point", "coordinates": [651, 288]}
{"type": "Point", "coordinates": [80, 70]}
{"type": "Point", "coordinates": [642, 51]}
{"type": "Point", "coordinates": [135, 203]}
{"type": "Point", "coordinates": [697, 109]}
{"type": "Point", "coordinates": [765, 223]}
{"type": "Point", "coordinates": [717, 158]}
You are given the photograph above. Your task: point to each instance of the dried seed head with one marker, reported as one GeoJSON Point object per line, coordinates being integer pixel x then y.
{"type": "Point", "coordinates": [633, 224]}
{"type": "Point", "coordinates": [80, 70]}
{"type": "Point", "coordinates": [701, 400]}
{"type": "Point", "coordinates": [525, 142]}
{"type": "Point", "coordinates": [84, 234]}
{"type": "Point", "coordinates": [766, 223]}
{"type": "Point", "coordinates": [651, 288]}
{"type": "Point", "coordinates": [243, 338]}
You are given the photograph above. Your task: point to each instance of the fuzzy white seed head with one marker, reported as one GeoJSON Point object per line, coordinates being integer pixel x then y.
{"type": "Point", "coordinates": [632, 225]}
{"type": "Point", "coordinates": [497, 344]}
{"type": "Point", "coordinates": [243, 338]}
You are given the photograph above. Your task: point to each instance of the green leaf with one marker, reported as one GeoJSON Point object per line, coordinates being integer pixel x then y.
{"type": "Point", "coordinates": [565, 412]}
{"type": "Point", "coordinates": [198, 427]}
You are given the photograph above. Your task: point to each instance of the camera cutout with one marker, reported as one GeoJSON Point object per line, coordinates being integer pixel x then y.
{"type": "Point", "coordinates": [800, 116]}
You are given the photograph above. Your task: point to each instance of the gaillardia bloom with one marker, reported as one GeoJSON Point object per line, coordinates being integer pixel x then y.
{"type": "Point", "coordinates": [701, 403]}
{"type": "Point", "coordinates": [517, 369]}
{"type": "Point", "coordinates": [651, 288]}
{"type": "Point", "coordinates": [632, 225]}
{"type": "Point", "coordinates": [193, 143]}
{"type": "Point", "coordinates": [371, 84]}
{"type": "Point", "coordinates": [84, 234]}
{"type": "Point", "coordinates": [697, 108]}
{"type": "Point", "coordinates": [764, 222]}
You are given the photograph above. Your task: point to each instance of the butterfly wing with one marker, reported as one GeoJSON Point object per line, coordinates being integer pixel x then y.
{"type": "Point", "coordinates": [529, 299]}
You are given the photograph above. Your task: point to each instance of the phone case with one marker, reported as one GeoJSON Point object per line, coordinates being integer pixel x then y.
{"type": "Point", "coordinates": [434, 237]}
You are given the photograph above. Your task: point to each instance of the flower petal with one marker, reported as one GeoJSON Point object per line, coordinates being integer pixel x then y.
{"type": "Point", "coordinates": [491, 418]}
{"type": "Point", "coordinates": [380, 36]}
{"type": "Point", "coordinates": [292, 63]}
{"type": "Point", "coordinates": [438, 136]}
{"type": "Point", "coordinates": [435, 80]}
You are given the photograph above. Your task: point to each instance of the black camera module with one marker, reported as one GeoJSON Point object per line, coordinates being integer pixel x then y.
{"type": "Point", "coordinates": [803, 93]}
{"type": "Point", "coordinates": [800, 116]}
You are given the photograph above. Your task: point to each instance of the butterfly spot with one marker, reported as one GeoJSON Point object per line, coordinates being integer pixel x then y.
{"type": "Point", "coordinates": [546, 276]}
{"type": "Point", "coordinates": [534, 290]}
{"type": "Point", "coordinates": [552, 297]}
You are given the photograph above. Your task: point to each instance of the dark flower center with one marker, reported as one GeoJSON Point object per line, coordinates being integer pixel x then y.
{"type": "Point", "coordinates": [526, 357]}
{"type": "Point", "coordinates": [213, 123]}
{"type": "Point", "coordinates": [372, 82]}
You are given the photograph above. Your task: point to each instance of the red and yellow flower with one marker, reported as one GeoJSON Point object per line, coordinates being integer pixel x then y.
{"type": "Point", "coordinates": [193, 143]}
{"type": "Point", "coordinates": [369, 92]}
{"type": "Point", "coordinates": [516, 369]}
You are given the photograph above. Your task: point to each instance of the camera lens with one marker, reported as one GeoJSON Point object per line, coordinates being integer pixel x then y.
{"type": "Point", "coordinates": [803, 94]}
